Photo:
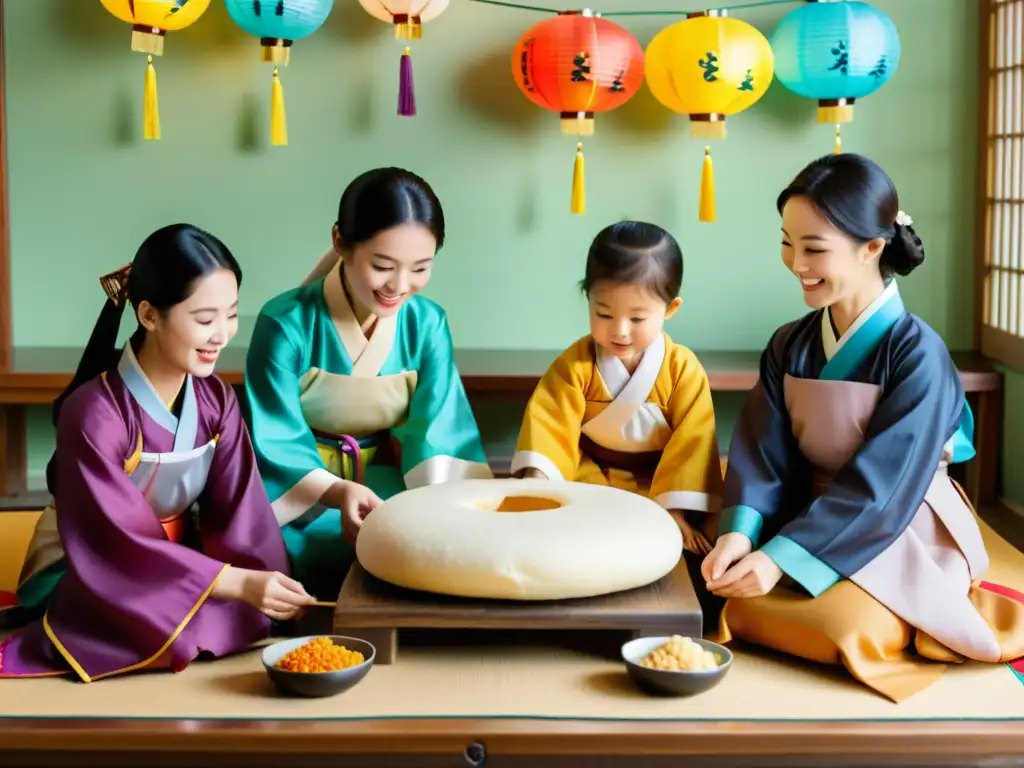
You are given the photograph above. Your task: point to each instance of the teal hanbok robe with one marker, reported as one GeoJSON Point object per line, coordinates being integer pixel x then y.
{"type": "Point", "coordinates": [324, 401]}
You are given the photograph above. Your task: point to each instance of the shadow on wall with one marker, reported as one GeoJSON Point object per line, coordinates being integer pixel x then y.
{"type": "Point", "coordinates": [642, 115]}
{"type": "Point", "coordinates": [89, 24]}
{"type": "Point", "coordinates": [485, 86]}
{"type": "Point", "coordinates": [350, 22]}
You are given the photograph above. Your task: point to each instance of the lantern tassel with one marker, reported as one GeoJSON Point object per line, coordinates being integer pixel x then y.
{"type": "Point", "coordinates": [707, 188]}
{"type": "Point", "coordinates": [406, 92]}
{"type": "Point", "coordinates": [278, 119]}
{"type": "Point", "coordinates": [578, 203]}
{"type": "Point", "coordinates": [839, 140]}
{"type": "Point", "coordinates": [150, 106]}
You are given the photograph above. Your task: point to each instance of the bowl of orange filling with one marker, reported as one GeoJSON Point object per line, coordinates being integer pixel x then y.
{"type": "Point", "coordinates": [323, 665]}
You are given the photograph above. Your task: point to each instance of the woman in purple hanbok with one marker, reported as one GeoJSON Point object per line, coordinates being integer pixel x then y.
{"type": "Point", "coordinates": [842, 537]}
{"type": "Point", "coordinates": [161, 543]}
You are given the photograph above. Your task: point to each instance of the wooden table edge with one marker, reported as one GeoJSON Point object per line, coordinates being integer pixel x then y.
{"type": "Point", "coordinates": [518, 736]}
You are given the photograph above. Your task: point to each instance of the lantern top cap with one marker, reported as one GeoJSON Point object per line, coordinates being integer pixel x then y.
{"type": "Point", "coordinates": [578, 12]}
{"type": "Point", "coordinates": [710, 12]}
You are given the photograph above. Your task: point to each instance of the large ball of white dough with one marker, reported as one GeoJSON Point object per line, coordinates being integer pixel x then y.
{"type": "Point", "coordinates": [557, 540]}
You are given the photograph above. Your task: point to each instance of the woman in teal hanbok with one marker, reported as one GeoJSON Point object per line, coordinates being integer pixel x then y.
{"type": "Point", "coordinates": [352, 390]}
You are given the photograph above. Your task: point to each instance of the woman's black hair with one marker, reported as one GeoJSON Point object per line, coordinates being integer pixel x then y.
{"type": "Point", "coordinates": [164, 273]}
{"type": "Point", "coordinates": [859, 199]}
{"type": "Point", "coordinates": [384, 198]}
{"type": "Point", "coordinates": [636, 253]}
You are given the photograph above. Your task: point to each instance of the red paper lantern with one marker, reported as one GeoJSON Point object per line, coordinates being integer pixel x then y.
{"type": "Point", "coordinates": [578, 64]}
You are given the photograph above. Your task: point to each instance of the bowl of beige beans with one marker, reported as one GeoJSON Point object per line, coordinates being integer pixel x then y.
{"type": "Point", "coordinates": [675, 665]}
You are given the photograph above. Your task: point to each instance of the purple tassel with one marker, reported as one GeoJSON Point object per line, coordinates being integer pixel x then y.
{"type": "Point", "coordinates": [406, 94]}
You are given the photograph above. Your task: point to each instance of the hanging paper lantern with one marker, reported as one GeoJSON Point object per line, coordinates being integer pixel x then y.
{"type": "Point", "coordinates": [577, 64]}
{"type": "Point", "coordinates": [151, 20]}
{"type": "Point", "coordinates": [278, 24]}
{"type": "Point", "coordinates": [835, 52]}
{"type": "Point", "coordinates": [708, 66]}
{"type": "Point", "coordinates": [408, 18]}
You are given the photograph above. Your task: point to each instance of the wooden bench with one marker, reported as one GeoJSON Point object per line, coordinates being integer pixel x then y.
{"type": "Point", "coordinates": [505, 376]}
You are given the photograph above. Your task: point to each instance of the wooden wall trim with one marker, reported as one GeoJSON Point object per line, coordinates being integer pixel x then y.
{"type": "Point", "coordinates": [6, 290]}
{"type": "Point", "coordinates": [983, 174]}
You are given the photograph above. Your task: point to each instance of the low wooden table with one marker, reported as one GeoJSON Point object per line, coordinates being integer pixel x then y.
{"type": "Point", "coordinates": [375, 611]}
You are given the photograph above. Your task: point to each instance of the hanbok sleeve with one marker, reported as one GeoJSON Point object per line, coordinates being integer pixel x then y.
{"type": "Point", "coordinates": [874, 496]}
{"type": "Point", "coordinates": [689, 474]}
{"type": "Point", "coordinates": [549, 438]}
{"type": "Point", "coordinates": [762, 452]}
{"type": "Point", "coordinates": [236, 521]}
{"type": "Point", "coordinates": [440, 440]}
{"type": "Point", "coordinates": [142, 589]}
{"type": "Point", "coordinates": [293, 473]}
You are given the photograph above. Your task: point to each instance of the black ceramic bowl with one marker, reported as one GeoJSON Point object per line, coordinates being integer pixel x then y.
{"type": "Point", "coordinates": [317, 684]}
{"type": "Point", "coordinates": [670, 682]}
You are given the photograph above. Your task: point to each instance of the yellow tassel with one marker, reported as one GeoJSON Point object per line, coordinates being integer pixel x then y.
{"type": "Point", "coordinates": [839, 139]}
{"type": "Point", "coordinates": [150, 107]}
{"type": "Point", "coordinates": [707, 188]}
{"type": "Point", "coordinates": [579, 192]}
{"type": "Point", "coordinates": [278, 123]}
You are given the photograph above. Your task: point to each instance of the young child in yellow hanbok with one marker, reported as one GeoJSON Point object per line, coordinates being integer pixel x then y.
{"type": "Point", "coordinates": [626, 406]}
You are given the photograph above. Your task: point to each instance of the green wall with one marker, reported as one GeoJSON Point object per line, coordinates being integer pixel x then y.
{"type": "Point", "coordinates": [86, 189]}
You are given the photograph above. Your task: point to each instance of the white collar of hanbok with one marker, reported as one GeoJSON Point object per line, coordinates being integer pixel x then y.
{"type": "Point", "coordinates": [832, 344]}
{"type": "Point", "coordinates": [368, 355]}
{"type": "Point", "coordinates": [616, 377]}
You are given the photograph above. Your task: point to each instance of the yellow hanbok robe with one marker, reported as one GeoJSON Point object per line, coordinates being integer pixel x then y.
{"type": "Point", "coordinates": [652, 432]}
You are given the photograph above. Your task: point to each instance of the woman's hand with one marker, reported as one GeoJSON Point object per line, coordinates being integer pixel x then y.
{"type": "Point", "coordinates": [269, 592]}
{"type": "Point", "coordinates": [354, 501]}
{"type": "Point", "coordinates": [693, 538]}
{"type": "Point", "coordinates": [753, 576]}
{"type": "Point", "coordinates": [729, 548]}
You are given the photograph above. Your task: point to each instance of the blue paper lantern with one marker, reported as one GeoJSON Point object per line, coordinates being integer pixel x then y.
{"type": "Point", "coordinates": [279, 23]}
{"type": "Point", "coordinates": [835, 51]}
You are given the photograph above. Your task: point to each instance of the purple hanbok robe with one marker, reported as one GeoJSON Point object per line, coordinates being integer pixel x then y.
{"type": "Point", "coordinates": [131, 598]}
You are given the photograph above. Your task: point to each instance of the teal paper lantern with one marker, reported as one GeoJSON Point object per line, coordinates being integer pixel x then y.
{"type": "Point", "coordinates": [279, 23]}
{"type": "Point", "coordinates": [835, 51]}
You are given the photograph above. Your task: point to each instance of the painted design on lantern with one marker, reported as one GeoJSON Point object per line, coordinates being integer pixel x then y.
{"type": "Point", "coordinates": [581, 71]}
{"type": "Point", "coordinates": [880, 69]}
{"type": "Point", "coordinates": [524, 67]}
{"type": "Point", "coordinates": [748, 82]}
{"type": "Point", "coordinates": [257, 8]}
{"type": "Point", "coordinates": [710, 66]}
{"type": "Point", "coordinates": [842, 62]}
{"type": "Point", "coordinates": [617, 86]}
{"type": "Point", "coordinates": [176, 5]}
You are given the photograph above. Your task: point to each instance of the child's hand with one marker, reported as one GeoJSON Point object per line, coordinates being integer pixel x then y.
{"type": "Point", "coordinates": [693, 538]}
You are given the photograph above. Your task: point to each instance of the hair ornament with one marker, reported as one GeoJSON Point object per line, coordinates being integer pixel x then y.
{"type": "Point", "coordinates": [115, 284]}
{"type": "Point", "coordinates": [903, 220]}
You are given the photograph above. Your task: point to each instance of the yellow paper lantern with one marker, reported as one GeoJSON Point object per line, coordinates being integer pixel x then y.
{"type": "Point", "coordinates": [151, 20]}
{"type": "Point", "coordinates": [709, 66]}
